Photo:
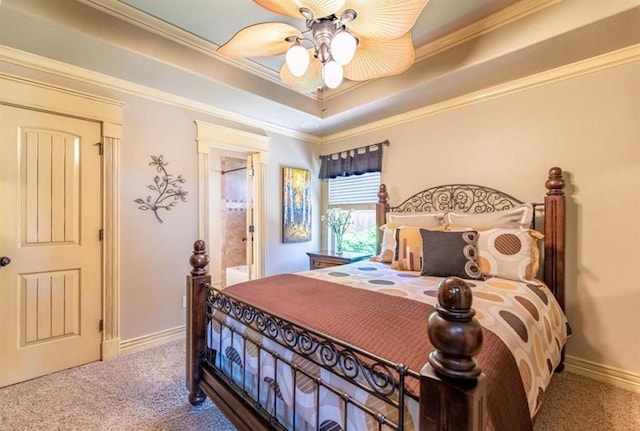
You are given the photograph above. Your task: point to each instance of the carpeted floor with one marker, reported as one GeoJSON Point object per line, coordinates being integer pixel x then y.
{"type": "Point", "coordinates": [146, 391]}
{"type": "Point", "coordinates": [142, 391]}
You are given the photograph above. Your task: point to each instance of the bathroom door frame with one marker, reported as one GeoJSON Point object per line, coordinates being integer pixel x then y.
{"type": "Point", "coordinates": [212, 136]}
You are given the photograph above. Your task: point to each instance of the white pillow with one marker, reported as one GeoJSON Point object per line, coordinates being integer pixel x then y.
{"type": "Point", "coordinates": [425, 220]}
{"type": "Point", "coordinates": [518, 217]}
{"type": "Point", "coordinates": [387, 245]}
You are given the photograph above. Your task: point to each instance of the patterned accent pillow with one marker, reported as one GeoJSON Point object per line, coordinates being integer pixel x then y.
{"type": "Point", "coordinates": [388, 243]}
{"type": "Point", "coordinates": [450, 254]}
{"type": "Point", "coordinates": [407, 254]}
{"type": "Point", "coordinates": [426, 220]}
{"type": "Point", "coordinates": [518, 217]}
{"type": "Point", "coordinates": [509, 253]}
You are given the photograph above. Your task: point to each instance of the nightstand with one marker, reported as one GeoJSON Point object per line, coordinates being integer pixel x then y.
{"type": "Point", "coordinates": [327, 258]}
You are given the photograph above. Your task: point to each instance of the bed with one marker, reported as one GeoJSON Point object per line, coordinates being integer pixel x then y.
{"type": "Point", "coordinates": [449, 327]}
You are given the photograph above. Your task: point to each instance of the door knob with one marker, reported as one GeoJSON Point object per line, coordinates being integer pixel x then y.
{"type": "Point", "coordinates": [4, 261]}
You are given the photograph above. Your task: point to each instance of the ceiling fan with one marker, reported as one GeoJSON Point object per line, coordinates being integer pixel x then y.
{"type": "Point", "coordinates": [354, 39]}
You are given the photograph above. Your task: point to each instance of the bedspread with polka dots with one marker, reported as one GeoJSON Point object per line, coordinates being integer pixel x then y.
{"type": "Point", "coordinates": [525, 316]}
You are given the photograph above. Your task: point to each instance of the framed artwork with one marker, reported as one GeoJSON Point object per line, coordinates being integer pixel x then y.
{"type": "Point", "coordinates": [296, 205]}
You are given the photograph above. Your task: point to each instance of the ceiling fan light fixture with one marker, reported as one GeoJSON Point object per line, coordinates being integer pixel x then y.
{"type": "Point", "coordinates": [297, 59]}
{"type": "Point", "coordinates": [347, 16]}
{"type": "Point", "coordinates": [332, 74]}
{"type": "Point", "coordinates": [368, 44]}
{"type": "Point", "coordinates": [306, 13]}
{"type": "Point", "coordinates": [343, 46]}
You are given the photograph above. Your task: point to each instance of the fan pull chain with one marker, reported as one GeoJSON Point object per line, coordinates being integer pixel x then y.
{"type": "Point", "coordinates": [324, 107]}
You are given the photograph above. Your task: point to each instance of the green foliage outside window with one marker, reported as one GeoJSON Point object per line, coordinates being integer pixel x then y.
{"type": "Point", "coordinates": [363, 241]}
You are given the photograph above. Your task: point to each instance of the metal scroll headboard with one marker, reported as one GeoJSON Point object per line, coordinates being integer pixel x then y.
{"type": "Point", "coordinates": [458, 197]}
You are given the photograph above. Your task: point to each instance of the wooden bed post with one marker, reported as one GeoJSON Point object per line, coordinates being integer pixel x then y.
{"type": "Point", "coordinates": [554, 234]}
{"type": "Point", "coordinates": [196, 322]}
{"type": "Point", "coordinates": [452, 386]}
{"type": "Point", "coordinates": [382, 207]}
{"type": "Point", "coordinates": [554, 231]}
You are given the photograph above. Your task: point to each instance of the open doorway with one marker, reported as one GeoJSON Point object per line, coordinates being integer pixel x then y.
{"type": "Point", "coordinates": [232, 212]}
{"type": "Point", "coordinates": [231, 216]}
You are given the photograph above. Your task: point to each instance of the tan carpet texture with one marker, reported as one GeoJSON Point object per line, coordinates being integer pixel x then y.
{"type": "Point", "coordinates": [146, 391]}
{"type": "Point", "coordinates": [142, 391]}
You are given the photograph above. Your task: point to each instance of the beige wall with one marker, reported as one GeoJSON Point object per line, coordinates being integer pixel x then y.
{"type": "Point", "coordinates": [152, 264]}
{"type": "Point", "coordinates": [290, 257]}
{"type": "Point", "coordinates": [589, 126]}
{"type": "Point", "coordinates": [153, 256]}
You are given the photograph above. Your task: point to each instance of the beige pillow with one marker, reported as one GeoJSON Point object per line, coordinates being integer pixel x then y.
{"type": "Point", "coordinates": [425, 220]}
{"type": "Point", "coordinates": [509, 253]}
{"type": "Point", "coordinates": [518, 217]}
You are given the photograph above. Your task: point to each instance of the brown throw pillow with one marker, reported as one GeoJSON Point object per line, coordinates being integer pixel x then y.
{"type": "Point", "coordinates": [450, 254]}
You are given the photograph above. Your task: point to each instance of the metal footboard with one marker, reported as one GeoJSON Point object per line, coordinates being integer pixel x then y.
{"type": "Point", "coordinates": [359, 369]}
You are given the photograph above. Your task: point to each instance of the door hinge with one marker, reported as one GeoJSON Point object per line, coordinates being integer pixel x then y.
{"type": "Point", "coordinates": [252, 228]}
{"type": "Point", "coordinates": [100, 146]}
{"type": "Point", "coordinates": [100, 234]}
{"type": "Point", "coordinates": [101, 325]}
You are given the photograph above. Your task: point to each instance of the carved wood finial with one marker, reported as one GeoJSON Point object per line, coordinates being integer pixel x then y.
{"type": "Point", "coordinates": [454, 332]}
{"type": "Point", "coordinates": [555, 183]}
{"type": "Point", "coordinates": [383, 196]}
{"type": "Point", "coordinates": [199, 259]}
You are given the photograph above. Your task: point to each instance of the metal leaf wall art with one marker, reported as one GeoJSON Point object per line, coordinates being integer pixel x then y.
{"type": "Point", "coordinates": [166, 189]}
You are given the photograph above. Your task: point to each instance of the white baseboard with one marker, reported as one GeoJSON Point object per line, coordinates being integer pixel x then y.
{"type": "Point", "coordinates": [614, 376]}
{"type": "Point", "coordinates": [151, 340]}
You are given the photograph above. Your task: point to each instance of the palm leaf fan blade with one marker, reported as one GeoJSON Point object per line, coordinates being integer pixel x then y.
{"type": "Point", "coordinates": [378, 58]}
{"type": "Point", "coordinates": [259, 40]}
{"type": "Point", "coordinates": [291, 8]}
{"type": "Point", "coordinates": [307, 83]}
{"type": "Point", "coordinates": [388, 19]}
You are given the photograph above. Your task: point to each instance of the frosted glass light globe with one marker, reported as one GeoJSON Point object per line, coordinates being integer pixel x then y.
{"type": "Point", "coordinates": [332, 74]}
{"type": "Point", "coordinates": [297, 60]}
{"type": "Point", "coordinates": [343, 47]}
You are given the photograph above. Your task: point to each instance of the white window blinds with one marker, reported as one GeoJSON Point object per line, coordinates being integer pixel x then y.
{"type": "Point", "coordinates": [356, 189]}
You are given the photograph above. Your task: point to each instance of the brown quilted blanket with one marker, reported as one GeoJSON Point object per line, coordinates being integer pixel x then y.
{"type": "Point", "coordinates": [391, 327]}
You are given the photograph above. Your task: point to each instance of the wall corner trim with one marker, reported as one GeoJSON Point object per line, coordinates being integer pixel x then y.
{"type": "Point", "coordinates": [110, 349]}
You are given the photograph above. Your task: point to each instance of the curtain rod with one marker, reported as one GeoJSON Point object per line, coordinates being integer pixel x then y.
{"type": "Point", "coordinates": [232, 170]}
{"type": "Point", "coordinates": [385, 143]}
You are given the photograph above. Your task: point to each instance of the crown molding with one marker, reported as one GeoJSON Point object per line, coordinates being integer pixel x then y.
{"type": "Point", "coordinates": [43, 64]}
{"type": "Point", "coordinates": [614, 58]}
{"type": "Point", "coordinates": [175, 34]}
{"type": "Point", "coordinates": [490, 23]}
{"type": "Point", "coordinates": [162, 28]}
{"type": "Point", "coordinates": [594, 64]}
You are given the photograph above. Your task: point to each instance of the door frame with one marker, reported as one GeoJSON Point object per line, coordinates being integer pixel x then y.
{"type": "Point", "coordinates": [41, 96]}
{"type": "Point", "coordinates": [212, 136]}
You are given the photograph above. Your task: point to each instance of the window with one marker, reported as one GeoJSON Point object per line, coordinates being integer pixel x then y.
{"type": "Point", "coordinates": [360, 194]}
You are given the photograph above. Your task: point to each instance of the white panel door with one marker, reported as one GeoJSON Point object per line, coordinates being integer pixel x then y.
{"type": "Point", "coordinates": [50, 216]}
